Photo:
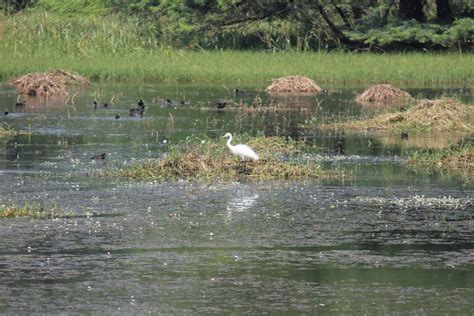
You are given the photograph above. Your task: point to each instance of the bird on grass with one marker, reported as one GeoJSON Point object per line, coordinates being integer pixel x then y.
{"type": "Point", "coordinates": [241, 150]}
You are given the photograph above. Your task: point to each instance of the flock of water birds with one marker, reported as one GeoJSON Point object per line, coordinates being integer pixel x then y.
{"type": "Point", "coordinates": [241, 150]}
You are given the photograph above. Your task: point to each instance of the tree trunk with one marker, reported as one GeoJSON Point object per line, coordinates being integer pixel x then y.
{"type": "Point", "coordinates": [443, 10]}
{"type": "Point", "coordinates": [411, 10]}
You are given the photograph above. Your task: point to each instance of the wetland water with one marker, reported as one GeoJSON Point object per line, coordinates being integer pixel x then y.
{"type": "Point", "coordinates": [388, 240]}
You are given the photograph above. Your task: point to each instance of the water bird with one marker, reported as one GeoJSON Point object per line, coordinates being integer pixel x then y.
{"type": "Point", "coordinates": [220, 104]}
{"type": "Point", "coordinates": [117, 116]}
{"type": "Point", "coordinates": [170, 102]}
{"type": "Point", "coordinates": [134, 112]}
{"type": "Point", "coordinates": [404, 135]}
{"type": "Point", "coordinates": [241, 150]}
{"type": "Point", "coordinates": [239, 92]}
{"type": "Point", "coordinates": [20, 104]}
{"type": "Point", "coordinates": [6, 113]}
{"type": "Point", "coordinates": [98, 157]}
{"type": "Point", "coordinates": [100, 105]}
{"type": "Point", "coordinates": [141, 104]}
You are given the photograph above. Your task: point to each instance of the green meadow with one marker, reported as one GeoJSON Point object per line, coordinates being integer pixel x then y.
{"type": "Point", "coordinates": [117, 49]}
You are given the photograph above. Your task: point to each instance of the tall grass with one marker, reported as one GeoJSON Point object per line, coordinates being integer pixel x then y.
{"type": "Point", "coordinates": [118, 48]}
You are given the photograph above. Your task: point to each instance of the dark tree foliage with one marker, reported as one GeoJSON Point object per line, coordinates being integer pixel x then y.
{"type": "Point", "coordinates": [411, 10]}
{"type": "Point", "coordinates": [15, 5]}
{"type": "Point", "coordinates": [379, 25]}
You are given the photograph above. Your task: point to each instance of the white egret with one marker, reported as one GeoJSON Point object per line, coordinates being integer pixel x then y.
{"type": "Point", "coordinates": [241, 150]}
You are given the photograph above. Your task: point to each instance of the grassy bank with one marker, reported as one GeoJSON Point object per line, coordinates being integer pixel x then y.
{"type": "Point", "coordinates": [118, 49]}
{"type": "Point", "coordinates": [211, 159]}
{"type": "Point", "coordinates": [246, 67]}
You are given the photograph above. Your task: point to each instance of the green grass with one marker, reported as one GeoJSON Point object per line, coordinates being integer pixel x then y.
{"type": "Point", "coordinates": [247, 67]}
{"type": "Point", "coordinates": [127, 49]}
{"type": "Point", "coordinates": [198, 159]}
{"type": "Point", "coordinates": [455, 158]}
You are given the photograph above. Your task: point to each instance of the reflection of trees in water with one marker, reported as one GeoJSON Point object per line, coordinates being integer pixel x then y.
{"type": "Point", "coordinates": [25, 149]}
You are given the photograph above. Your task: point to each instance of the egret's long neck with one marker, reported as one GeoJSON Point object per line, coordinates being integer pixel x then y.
{"type": "Point", "coordinates": [228, 142]}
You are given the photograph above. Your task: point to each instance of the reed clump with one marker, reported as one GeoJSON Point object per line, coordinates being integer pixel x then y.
{"type": "Point", "coordinates": [6, 130]}
{"type": "Point", "coordinates": [459, 157]}
{"type": "Point", "coordinates": [30, 211]}
{"type": "Point", "coordinates": [52, 83]}
{"type": "Point", "coordinates": [441, 115]}
{"type": "Point", "coordinates": [212, 160]}
{"type": "Point", "coordinates": [293, 84]}
{"type": "Point", "coordinates": [384, 94]}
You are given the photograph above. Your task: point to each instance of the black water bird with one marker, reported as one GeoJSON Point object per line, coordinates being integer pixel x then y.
{"type": "Point", "coordinates": [141, 103]}
{"type": "Point", "coordinates": [98, 157]}
{"type": "Point", "coordinates": [239, 92]}
{"type": "Point", "coordinates": [32, 93]}
{"type": "Point", "coordinates": [175, 103]}
{"type": "Point", "coordinates": [136, 112]}
{"type": "Point", "coordinates": [20, 104]}
{"type": "Point", "coordinates": [117, 116]}
{"type": "Point", "coordinates": [220, 104]}
{"type": "Point", "coordinates": [6, 113]}
{"type": "Point", "coordinates": [404, 135]}
{"type": "Point", "coordinates": [100, 105]}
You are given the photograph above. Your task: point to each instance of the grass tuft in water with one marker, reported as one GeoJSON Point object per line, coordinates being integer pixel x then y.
{"type": "Point", "coordinates": [30, 211]}
{"type": "Point", "coordinates": [441, 115]}
{"type": "Point", "coordinates": [7, 131]}
{"type": "Point", "coordinates": [459, 157]}
{"type": "Point", "coordinates": [211, 159]}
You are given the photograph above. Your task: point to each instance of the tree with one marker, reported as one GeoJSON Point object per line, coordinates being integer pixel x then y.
{"type": "Point", "coordinates": [443, 11]}
{"type": "Point", "coordinates": [411, 10]}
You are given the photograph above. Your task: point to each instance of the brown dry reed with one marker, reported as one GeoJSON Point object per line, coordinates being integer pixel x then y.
{"type": "Point", "coordinates": [384, 94]}
{"type": "Point", "coordinates": [441, 115]}
{"type": "Point", "coordinates": [212, 160]}
{"type": "Point", "coordinates": [48, 84]}
{"type": "Point", "coordinates": [293, 84]}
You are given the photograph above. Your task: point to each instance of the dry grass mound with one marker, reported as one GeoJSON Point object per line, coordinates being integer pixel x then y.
{"type": "Point", "coordinates": [52, 83]}
{"type": "Point", "coordinates": [384, 93]}
{"type": "Point", "coordinates": [441, 115]}
{"type": "Point", "coordinates": [293, 84]}
{"type": "Point", "coordinates": [212, 160]}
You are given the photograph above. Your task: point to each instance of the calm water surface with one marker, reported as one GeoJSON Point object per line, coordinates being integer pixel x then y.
{"type": "Point", "coordinates": [388, 241]}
